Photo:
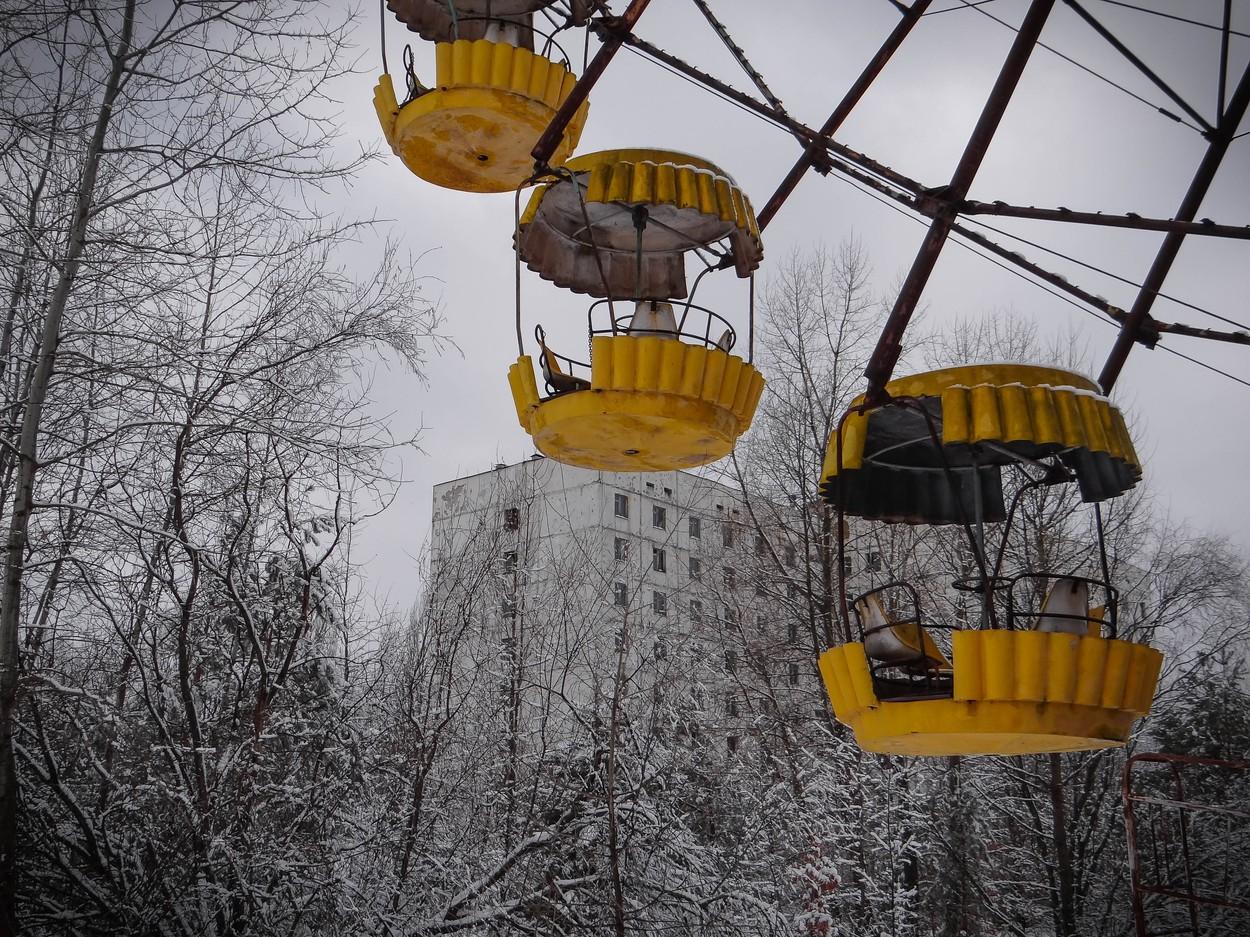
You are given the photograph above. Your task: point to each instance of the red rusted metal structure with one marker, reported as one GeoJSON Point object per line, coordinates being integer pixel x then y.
{"type": "Point", "coordinates": [1187, 821]}
{"type": "Point", "coordinates": [944, 205]}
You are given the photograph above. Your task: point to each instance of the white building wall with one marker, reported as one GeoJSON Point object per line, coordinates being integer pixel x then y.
{"type": "Point", "coordinates": [710, 614]}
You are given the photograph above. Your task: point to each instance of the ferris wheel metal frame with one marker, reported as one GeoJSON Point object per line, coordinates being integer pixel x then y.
{"type": "Point", "coordinates": [944, 205]}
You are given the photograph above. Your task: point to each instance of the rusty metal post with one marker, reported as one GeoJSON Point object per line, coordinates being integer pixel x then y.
{"type": "Point", "coordinates": [619, 29]}
{"type": "Point", "coordinates": [1140, 311]}
{"type": "Point", "coordinates": [816, 149]}
{"type": "Point", "coordinates": [1160, 882]}
{"type": "Point", "coordinates": [889, 346]}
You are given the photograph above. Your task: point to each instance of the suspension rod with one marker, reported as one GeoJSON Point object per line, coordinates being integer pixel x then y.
{"type": "Point", "coordinates": [889, 346]}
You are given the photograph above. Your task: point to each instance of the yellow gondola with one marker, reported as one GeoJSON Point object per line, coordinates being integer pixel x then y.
{"type": "Point", "coordinates": [1056, 678]}
{"type": "Point", "coordinates": [492, 97]}
{"type": "Point", "coordinates": [663, 389]}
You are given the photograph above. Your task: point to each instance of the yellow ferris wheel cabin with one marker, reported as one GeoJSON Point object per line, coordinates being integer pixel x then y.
{"type": "Point", "coordinates": [492, 97]}
{"type": "Point", "coordinates": [663, 388]}
{"type": "Point", "coordinates": [1041, 665]}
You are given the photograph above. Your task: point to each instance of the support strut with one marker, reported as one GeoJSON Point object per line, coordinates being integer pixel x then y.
{"type": "Point", "coordinates": [1139, 314]}
{"type": "Point", "coordinates": [613, 34]}
{"type": "Point", "coordinates": [889, 346]}
{"type": "Point", "coordinates": [818, 150]}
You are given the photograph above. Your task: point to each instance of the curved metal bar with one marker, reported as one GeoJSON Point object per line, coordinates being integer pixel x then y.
{"type": "Point", "coordinates": [516, 244]}
{"type": "Point", "coordinates": [549, 36]}
{"type": "Point", "coordinates": [1011, 516]}
{"type": "Point", "coordinates": [844, 608]}
{"type": "Point", "coordinates": [1112, 596]}
{"type": "Point", "coordinates": [621, 324]}
{"type": "Point", "coordinates": [541, 337]}
{"type": "Point", "coordinates": [751, 320]}
{"type": "Point", "coordinates": [516, 251]}
{"type": "Point", "coordinates": [563, 173]}
{"type": "Point", "coordinates": [1113, 601]}
{"type": "Point", "coordinates": [690, 296]}
{"type": "Point", "coordinates": [977, 552]}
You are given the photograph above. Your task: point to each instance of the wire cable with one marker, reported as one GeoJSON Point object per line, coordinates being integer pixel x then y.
{"type": "Point", "coordinates": [1107, 273]}
{"type": "Point", "coordinates": [1042, 286]}
{"type": "Point", "coordinates": [1085, 68]}
{"type": "Point", "coordinates": [975, 3]}
{"type": "Point", "coordinates": [1173, 16]}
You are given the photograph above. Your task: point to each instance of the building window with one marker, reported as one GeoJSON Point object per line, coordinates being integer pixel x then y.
{"type": "Point", "coordinates": [509, 562]}
{"type": "Point", "coordinates": [873, 563]}
{"type": "Point", "coordinates": [659, 562]}
{"type": "Point", "coordinates": [512, 519]}
{"type": "Point", "coordinates": [661, 650]}
{"type": "Point", "coordinates": [696, 528]}
{"type": "Point", "coordinates": [659, 517]}
{"type": "Point", "coordinates": [620, 593]}
{"type": "Point", "coordinates": [848, 565]}
{"type": "Point", "coordinates": [794, 674]}
{"type": "Point", "coordinates": [761, 621]}
{"type": "Point", "coordinates": [792, 591]}
{"type": "Point", "coordinates": [760, 544]}
{"type": "Point", "coordinates": [731, 577]}
{"type": "Point", "coordinates": [731, 707]}
{"type": "Point", "coordinates": [620, 505]}
{"type": "Point", "coordinates": [650, 486]}
{"type": "Point", "coordinates": [793, 631]}
{"type": "Point", "coordinates": [668, 492]}
{"type": "Point", "coordinates": [727, 534]}
{"type": "Point", "coordinates": [730, 615]}
{"type": "Point", "coordinates": [732, 742]}
{"type": "Point", "coordinates": [696, 568]}
{"type": "Point", "coordinates": [696, 610]}
{"type": "Point", "coordinates": [508, 606]}
{"type": "Point", "coordinates": [731, 660]}
{"type": "Point", "coordinates": [659, 603]}
{"type": "Point", "coordinates": [621, 548]}
{"type": "Point", "coordinates": [792, 557]}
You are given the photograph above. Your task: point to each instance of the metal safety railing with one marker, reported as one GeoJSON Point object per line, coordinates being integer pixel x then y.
{"type": "Point", "coordinates": [1187, 820]}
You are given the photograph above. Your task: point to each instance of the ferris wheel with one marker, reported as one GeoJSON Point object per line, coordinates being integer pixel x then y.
{"type": "Point", "coordinates": [1045, 665]}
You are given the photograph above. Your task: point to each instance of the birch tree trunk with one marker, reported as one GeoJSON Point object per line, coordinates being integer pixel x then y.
{"type": "Point", "coordinates": [27, 468]}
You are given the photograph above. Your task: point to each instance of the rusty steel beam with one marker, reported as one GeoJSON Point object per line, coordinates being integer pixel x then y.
{"type": "Point", "coordinates": [613, 33]}
{"type": "Point", "coordinates": [1149, 334]}
{"type": "Point", "coordinates": [889, 345]}
{"type": "Point", "coordinates": [1139, 314]}
{"type": "Point", "coordinates": [1204, 227]}
{"type": "Point", "coordinates": [818, 149]}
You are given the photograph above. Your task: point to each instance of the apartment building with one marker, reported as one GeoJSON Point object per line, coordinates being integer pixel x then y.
{"type": "Point", "coordinates": [690, 588]}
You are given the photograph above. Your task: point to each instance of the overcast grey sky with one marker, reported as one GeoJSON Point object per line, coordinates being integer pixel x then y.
{"type": "Point", "coordinates": [1067, 139]}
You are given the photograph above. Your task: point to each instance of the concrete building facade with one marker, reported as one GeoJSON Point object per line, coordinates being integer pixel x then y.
{"type": "Point", "coordinates": [672, 576]}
